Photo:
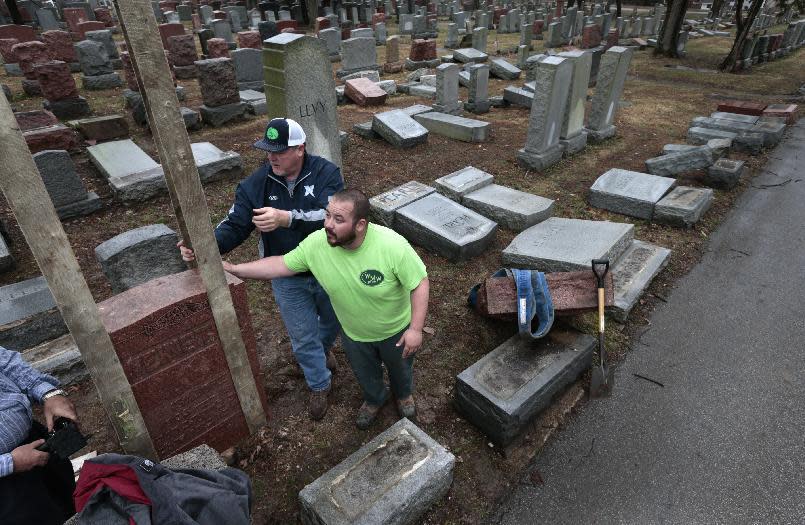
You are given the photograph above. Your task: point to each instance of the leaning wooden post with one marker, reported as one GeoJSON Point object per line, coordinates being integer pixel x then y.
{"type": "Point", "coordinates": [36, 216]}
{"type": "Point", "coordinates": [173, 145]}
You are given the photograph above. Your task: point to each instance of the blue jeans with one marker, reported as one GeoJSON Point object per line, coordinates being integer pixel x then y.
{"type": "Point", "coordinates": [311, 323]}
{"type": "Point", "coordinates": [367, 360]}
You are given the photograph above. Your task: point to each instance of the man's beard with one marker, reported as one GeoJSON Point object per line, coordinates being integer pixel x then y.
{"type": "Point", "coordinates": [334, 240]}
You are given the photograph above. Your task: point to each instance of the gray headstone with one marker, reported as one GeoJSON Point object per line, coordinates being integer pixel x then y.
{"type": "Point", "coordinates": [469, 55]}
{"type": "Point", "coordinates": [66, 190]}
{"type": "Point", "coordinates": [299, 83]}
{"type": "Point", "coordinates": [611, 78]}
{"type": "Point", "coordinates": [542, 147]}
{"type": "Point", "coordinates": [384, 207]}
{"type": "Point", "coordinates": [447, 89]}
{"type": "Point", "coordinates": [683, 206]}
{"type": "Point", "coordinates": [633, 272]}
{"type": "Point", "coordinates": [679, 162]}
{"type": "Point", "coordinates": [399, 129]}
{"type": "Point", "coordinates": [573, 121]}
{"type": "Point", "coordinates": [510, 386]}
{"type": "Point", "coordinates": [479, 39]}
{"type": "Point", "coordinates": [445, 227]}
{"type": "Point", "coordinates": [519, 97]}
{"type": "Point", "coordinates": [248, 64]}
{"type": "Point", "coordinates": [205, 11]}
{"type": "Point", "coordinates": [254, 100]}
{"type": "Point", "coordinates": [332, 39]}
{"type": "Point", "coordinates": [47, 20]}
{"type": "Point", "coordinates": [105, 38]}
{"type": "Point", "coordinates": [137, 256]}
{"type": "Point", "coordinates": [478, 89]}
{"type": "Point", "coordinates": [267, 29]}
{"type": "Point", "coordinates": [357, 54]}
{"type": "Point", "coordinates": [566, 245]}
{"type": "Point", "coordinates": [28, 315]}
{"type": "Point", "coordinates": [501, 68]}
{"type": "Point", "coordinates": [223, 29]}
{"type": "Point", "coordinates": [461, 182]}
{"type": "Point", "coordinates": [364, 32]}
{"type": "Point", "coordinates": [94, 58]}
{"type": "Point", "coordinates": [512, 209]}
{"type": "Point", "coordinates": [454, 127]}
{"type": "Point", "coordinates": [394, 478]}
{"type": "Point", "coordinates": [629, 192]}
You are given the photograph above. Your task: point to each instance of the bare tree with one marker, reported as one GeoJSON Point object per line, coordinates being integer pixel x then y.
{"type": "Point", "coordinates": [743, 26]}
{"type": "Point", "coordinates": [716, 8]}
{"type": "Point", "coordinates": [668, 40]}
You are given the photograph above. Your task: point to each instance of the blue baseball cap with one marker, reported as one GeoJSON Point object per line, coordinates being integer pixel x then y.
{"type": "Point", "coordinates": [281, 134]}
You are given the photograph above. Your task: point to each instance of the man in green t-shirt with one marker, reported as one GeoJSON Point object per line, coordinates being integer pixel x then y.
{"type": "Point", "coordinates": [378, 287]}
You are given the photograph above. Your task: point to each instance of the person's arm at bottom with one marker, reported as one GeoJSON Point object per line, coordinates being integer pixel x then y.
{"type": "Point", "coordinates": [412, 338]}
{"type": "Point", "coordinates": [23, 458]}
{"type": "Point", "coordinates": [264, 269]}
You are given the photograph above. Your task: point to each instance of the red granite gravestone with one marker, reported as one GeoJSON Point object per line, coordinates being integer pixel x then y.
{"type": "Point", "coordinates": [74, 16]}
{"type": "Point", "coordinates": [128, 71]}
{"type": "Point", "coordinates": [165, 337]}
{"type": "Point", "coordinates": [219, 15]}
{"type": "Point", "coordinates": [378, 18]}
{"type": "Point", "coordinates": [786, 111]}
{"type": "Point", "coordinates": [39, 118]}
{"type": "Point", "coordinates": [250, 39]}
{"type": "Point", "coordinates": [168, 5]}
{"type": "Point", "coordinates": [29, 54]}
{"type": "Point", "coordinates": [21, 33]}
{"type": "Point", "coordinates": [55, 80]}
{"type": "Point", "coordinates": [182, 50]}
{"type": "Point", "coordinates": [41, 130]}
{"type": "Point", "coordinates": [169, 30]}
{"type": "Point", "coordinates": [499, 11]}
{"type": "Point", "coordinates": [5, 50]}
{"type": "Point", "coordinates": [591, 36]}
{"type": "Point", "coordinates": [537, 27]}
{"type": "Point", "coordinates": [321, 23]}
{"type": "Point", "coordinates": [422, 50]}
{"type": "Point", "coordinates": [217, 48]}
{"type": "Point", "coordinates": [560, 7]}
{"type": "Point", "coordinates": [743, 107]}
{"type": "Point", "coordinates": [612, 39]}
{"type": "Point", "coordinates": [104, 15]}
{"type": "Point", "coordinates": [60, 45]}
{"type": "Point", "coordinates": [345, 33]}
{"type": "Point", "coordinates": [364, 92]}
{"type": "Point", "coordinates": [90, 25]}
{"type": "Point", "coordinates": [196, 21]}
{"type": "Point", "coordinates": [287, 24]}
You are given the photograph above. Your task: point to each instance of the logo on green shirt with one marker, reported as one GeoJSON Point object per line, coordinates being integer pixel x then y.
{"type": "Point", "coordinates": [371, 277]}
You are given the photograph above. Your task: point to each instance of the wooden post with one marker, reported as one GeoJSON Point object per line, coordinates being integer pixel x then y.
{"type": "Point", "coordinates": [36, 216]}
{"type": "Point", "coordinates": [170, 136]}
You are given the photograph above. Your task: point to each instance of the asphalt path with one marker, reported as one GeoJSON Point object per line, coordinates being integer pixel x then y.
{"type": "Point", "coordinates": [723, 441]}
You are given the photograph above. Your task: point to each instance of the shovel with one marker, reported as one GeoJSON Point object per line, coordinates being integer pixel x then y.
{"type": "Point", "coordinates": [602, 377]}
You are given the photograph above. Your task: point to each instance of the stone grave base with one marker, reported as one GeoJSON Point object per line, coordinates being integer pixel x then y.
{"type": "Point", "coordinates": [254, 85]}
{"type": "Point", "coordinates": [452, 109]}
{"type": "Point", "coordinates": [575, 144]}
{"type": "Point", "coordinates": [335, 57]}
{"type": "Point", "coordinates": [633, 272]}
{"type": "Point", "coordinates": [341, 73]}
{"type": "Point", "coordinates": [539, 161]}
{"type": "Point", "coordinates": [392, 67]}
{"type": "Point", "coordinates": [192, 119]}
{"type": "Point", "coordinates": [725, 174]}
{"type": "Point", "coordinates": [102, 128]}
{"type": "Point", "coordinates": [683, 206]}
{"type": "Point", "coordinates": [57, 136]}
{"type": "Point", "coordinates": [85, 207]}
{"type": "Point", "coordinates": [505, 390]}
{"type": "Point", "coordinates": [594, 135]}
{"type": "Point", "coordinates": [215, 164]}
{"type": "Point", "coordinates": [518, 96]}
{"type": "Point", "coordinates": [422, 90]}
{"type": "Point", "coordinates": [255, 101]}
{"type": "Point", "coordinates": [451, 126]}
{"type": "Point", "coordinates": [364, 129]}
{"type": "Point", "coordinates": [413, 65]}
{"type": "Point", "coordinates": [479, 108]}
{"type": "Point", "coordinates": [99, 82]}
{"type": "Point", "coordinates": [220, 115]}
{"type": "Point", "coordinates": [513, 209]}
{"type": "Point", "coordinates": [185, 72]}
{"type": "Point", "coordinates": [68, 108]}
{"type": "Point", "coordinates": [60, 358]}
{"type": "Point", "coordinates": [29, 316]}
{"type": "Point", "coordinates": [31, 88]}
{"type": "Point", "coordinates": [395, 478]}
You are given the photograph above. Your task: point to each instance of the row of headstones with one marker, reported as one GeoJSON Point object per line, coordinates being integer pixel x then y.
{"type": "Point", "coordinates": [763, 48]}
{"type": "Point", "coordinates": [78, 18]}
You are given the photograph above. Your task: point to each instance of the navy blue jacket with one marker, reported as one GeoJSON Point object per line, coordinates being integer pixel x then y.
{"type": "Point", "coordinates": [318, 180]}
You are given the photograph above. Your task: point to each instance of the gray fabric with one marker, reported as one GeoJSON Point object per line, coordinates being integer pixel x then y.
{"type": "Point", "coordinates": [107, 507]}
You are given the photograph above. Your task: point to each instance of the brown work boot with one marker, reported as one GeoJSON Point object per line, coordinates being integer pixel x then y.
{"type": "Point", "coordinates": [366, 415]}
{"type": "Point", "coordinates": [332, 364]}
{"type": "Point", "coordinates": [318, 404]}
{"type": "Point", "coordinates": [407, 408]}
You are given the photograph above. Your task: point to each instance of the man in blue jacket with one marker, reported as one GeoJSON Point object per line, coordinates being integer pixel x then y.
{"type": "Point", "coordinates": [285, 199]}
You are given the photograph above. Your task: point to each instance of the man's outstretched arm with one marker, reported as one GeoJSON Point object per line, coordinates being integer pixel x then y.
{"type": "Point", "coordinates": [264, 269]}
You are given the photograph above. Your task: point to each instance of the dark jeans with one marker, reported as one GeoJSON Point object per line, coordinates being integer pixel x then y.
{"type": "Point", "coordinates": [41, 496]}
{"type": "Point", "coordinates": [367, 360]}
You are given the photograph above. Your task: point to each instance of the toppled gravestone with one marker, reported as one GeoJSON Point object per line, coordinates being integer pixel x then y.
{"type": "Point", "coordinates": [454, 127]}
{"type": "Point", "coordinates": [139, 255]}
{"type": "Point", "coordinates": [383, 207]}
{"type": "Point", "coordinates": [510, 386]}
{"type": "Point", "coordinates": [399, 129]}
{"type": "Point", "coordinates": [680, 162]}
{"type": "Point", "coordinates": [629, 192]}
{"type": "Point", "coordinates": [395, 478]}
{"type": "Point", "coordinates": [28, 314]}
{"type": "Point", "coordinates": [66, 190]}
{"type": "Point", "coordinates": [683, 206]}
{"type": "Point", "coordinates": [633, 272]}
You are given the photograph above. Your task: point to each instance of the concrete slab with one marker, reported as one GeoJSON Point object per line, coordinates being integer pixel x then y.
{"type": "Point", "coordinates": [510, 386]}
{"type": "Point", "coordinates": [445, 227]}
{"type": "Point", "coordinates": [451, 126]}
{"type": "Point", "coordinates": [469, 55]}
{"type": "Point", "coordinates": [399, 129]}
{"type": "Point", "coordinates": [629, 192]}
{"type": "Point", "coordinates": [566, 245]}
{"type": "Point", "coordinates": [383, 207]}
{"type": "Point", "coordinates": [512, 209]}
{"type": "Point", "coordinates": [462, 182]}
{"type": "Point", "coordinates": [394, 478]}
{"type": "Point", "coordinates": [633, 272]}
{"type": "Point", "coordinates": [683, 206]}
{"type": "Point", "coordinates": [28, 314]}
{"type": "Point", "coordinates": [724, 174]}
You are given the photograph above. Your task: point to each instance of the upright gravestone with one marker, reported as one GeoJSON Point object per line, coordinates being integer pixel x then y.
{"type": "Point", "coordinates": [478, 98]}
{"type": "Point", "coordinates": [137, 256]}
{"type": "Point", "coordinates": [608, 89]}
{"type": "Point", "coordinates": [248, 68]}
{"type": "Point", "coordinates": [97, 70]}
{"type": "Point", "coordinates": [104, 37]}
{"type": "Point", "coordinates": [357, 54]}
{"type": "Point", "coordinates": [479, 37]}
{"type": "Point", "coordinates": [447, 89]}
{"type": "Point", "coordinates": [219, 91]}
{"type": "Point", "coordinates": [542, 147]}
{"type": "Point", "coordinates": [393, 63]}
{"type": "Point", "coordinates": [223, 29]}
{"type": "Point", "coordinates": [66, 190]}
{"type": "Point", "coordinates": [59, 90]}
{"type": "Point", "coordinates": [182, 49]}
{"type": "Point", "coordinates": [573, 137]}
{"type": "Point", "coordinates": [332, 40]}
{"type": "Point", "coordinates": [299, 83]}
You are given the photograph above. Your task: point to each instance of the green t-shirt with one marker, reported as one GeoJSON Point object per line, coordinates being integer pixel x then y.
{"type": "Point", "coordinates": [369, 288]}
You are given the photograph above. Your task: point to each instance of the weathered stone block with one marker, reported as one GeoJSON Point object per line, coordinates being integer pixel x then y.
{"type": "Point", "coordinates": [633, 272]}
{"type": "Point", "coordinates": [399, 129]}
{"type": "Point", "coordinates": [680, 162]}
{"type": "Point", "coordinates": [462, 182]}
{"type": "Point", "coordinates": [384, 207]}
{"type": "Point", "coordinates": [724, 174]}
{"type": "Point", "coordinates": [364, 92]}
{"type": "Point", "coordinates": [454, 127]}
{"type": "Point", "coordinates": [629, 192]}
{"type": "Point", "coordinates": [502, 69]}
{"type": "Point", "coordinates": [513, 209]}
{"type": "Point", "coordinates": [683, 206]}
{"type": "Point", "coordinates": [28, 315]}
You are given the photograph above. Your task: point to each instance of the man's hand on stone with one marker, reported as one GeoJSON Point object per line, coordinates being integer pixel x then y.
{"type": "Point", "coordinates": [269, 219]}
{"type": "Point", "coordinates": [411, 342]}
{"type": "Point", "coordinates": [26, 457]}
{"type": "Point", "coordinates": [56, 407]}
{"type": "Point", "coordinates": [187, 253]}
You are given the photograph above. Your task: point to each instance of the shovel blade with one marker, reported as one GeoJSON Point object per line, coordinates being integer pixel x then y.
{"type": "Point", "coordinates": [601, 382]}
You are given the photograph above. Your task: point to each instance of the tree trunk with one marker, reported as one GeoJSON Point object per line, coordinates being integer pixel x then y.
{"type": "Point", "coordinates": [715, 10]}
{"type": "Point", "coordinates": [668, 41]}
{"type": "Point", "coordinates": [618, 5]}
{"type": "Point", "coordinates": [16, 17]}
{"type": "Point", "coordinates": [743, 28]}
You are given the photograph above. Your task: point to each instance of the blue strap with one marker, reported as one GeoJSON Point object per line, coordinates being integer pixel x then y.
{"type": "Point", "coordinates": [533, 299]}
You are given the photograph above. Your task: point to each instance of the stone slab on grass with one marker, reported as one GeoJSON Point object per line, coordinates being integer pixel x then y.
{"type": "Point", "coordinates": [462, 182]}
{"type": "Point", "coordinates": [102, 128]}
{"type": "Point", "coordinates": [725, 174]}
{"type": "Point", "coordinates": [565, 245]}
{"type": "Point", "coordinates": [364, 92]}
{"type": "Point", "coordinates": [454, 127]}
{"type": "Point", "coordinates": [503, 69]}
{"type": "Point", "coordinates": [506, 389]}
{"type": "Point", "coordinates": [512, 209]}
{"type": "Point", "coordinates": [255, 101]}
{"type": "Point", "coordinates": [399, 129]}
{"type": "Point", "coordinates": [683, 206]}
{"type": "Point", "coordinates": [60, 358]}
{"type": "Point", "coordinates": [470, 55]}
{"type": "Point", "coordinates": [749, 119]}
{"type": "Point", "coordinates": [395, 478]}
{"type": "Point", "coordinates": [518, 96]}
{"type": "Point", "coordinates": [28, 314]}
{"type": "Point", "coordinates": [383, 207]}
{"type": "Point", "coordinates": [219, 115]}
{"type": "Point", "coordinates": [200, 457]}
{"type": "Point", "coordinates": [120, 158]}
{"type": "Point", "coordinates": [422, 90]}
{"type": "Point", "coordinates": [629, 192]}
{"type": "Point", "coordinates": [633, 272]}
{"type": "Point", "coordinates": [214, 163]}
{"type": "Point", "coordinates": [698, 135]}
{"type": "Point", "coordinates": [445, 227]}
{"type": "Point", "coordinates": [680, 162]}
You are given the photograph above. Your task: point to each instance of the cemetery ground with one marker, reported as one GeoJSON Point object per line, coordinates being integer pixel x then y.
{"type": "Point", "coordinates": [657, 107]}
